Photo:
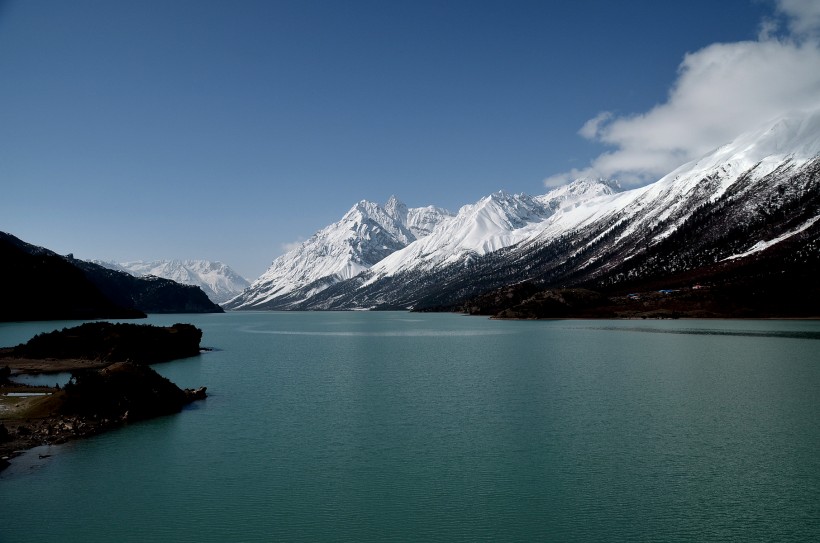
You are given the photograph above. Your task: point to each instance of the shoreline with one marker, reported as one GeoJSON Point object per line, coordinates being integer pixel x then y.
{"type": "Point", "coordinates": [24, 427]}
{"type": "Point", "coordinates": [37, 418]}
{"type": "Point", "coordinates": [112, 383]}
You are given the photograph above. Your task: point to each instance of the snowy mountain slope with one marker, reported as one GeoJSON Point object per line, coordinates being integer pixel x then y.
{"type": "Point", "coordinates": [758, 188]}
{"type": "Point", "coordinates": [217, 280]}
{"type": "Point", "coordinates": [741, 200]}
{"type": "Point", "coordinates": [365, 235]}
{"type": "Point", "coordinates": [669, 202]}
{"type": "Point", "coordinates": [494, 222]}
{"type": "Point", "coordinates": [421, 221]}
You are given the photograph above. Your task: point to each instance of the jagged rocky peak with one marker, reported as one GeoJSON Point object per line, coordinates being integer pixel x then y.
{"type": "Point", "coordinates": [504, 209]}
{"type": "Point", "coordinates": [586, 230]}
{"type": "Point", "coordinates": [397, 210]}
{"type": "Point", "coordinates": [366, 234]}
{"type": "Point", "coordinates": [367, 218]}
{"type": "Point", "coordinates": [422, 220]}
{"type": "Point", "coordinates": [403, 223]}
{"type": "Point", "coordinates": [496, 221]}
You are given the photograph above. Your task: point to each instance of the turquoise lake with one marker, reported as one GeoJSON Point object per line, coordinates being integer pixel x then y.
{"type": "Point", "coordinates": [358, 426]}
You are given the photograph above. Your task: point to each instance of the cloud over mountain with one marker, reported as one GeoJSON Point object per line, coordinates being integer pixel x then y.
{"type": "Point", "coordinates": [721, 90]}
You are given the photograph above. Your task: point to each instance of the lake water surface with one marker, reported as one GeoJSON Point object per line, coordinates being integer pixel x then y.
{"type": "Point", "coordinates": [437, 427]}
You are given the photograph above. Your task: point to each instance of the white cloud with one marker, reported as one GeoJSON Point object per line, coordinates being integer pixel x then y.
{"type": "Point", "coordinates": [288, 247]}
{"type": "Point", "coordinates": [768, 29]}
{"type": "Point", "coordinates": [803, 16]}
{"type": "Point", "coordinates": [721, 91]}
{"type": "Point", "coordinates": [592, 126]}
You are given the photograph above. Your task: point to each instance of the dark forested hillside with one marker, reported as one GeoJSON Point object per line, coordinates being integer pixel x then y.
{"type": "Point", "coordinates": [42, 285]}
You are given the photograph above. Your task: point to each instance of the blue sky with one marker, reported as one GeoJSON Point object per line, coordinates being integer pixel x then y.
{"type": "Point", "coordinates": [229, 130]}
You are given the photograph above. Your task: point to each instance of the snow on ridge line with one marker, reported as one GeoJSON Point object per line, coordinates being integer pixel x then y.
{"type": "Point", "coordinates": [758, 152]}
{"type": "Point", "coordinates": [496, 221]}
{"type": "Point", "coordinates": [363, 236]}
{"type": "Point", "coordinates": [502, 219]}
{"type": "Point", "coordinates": [794, 138]}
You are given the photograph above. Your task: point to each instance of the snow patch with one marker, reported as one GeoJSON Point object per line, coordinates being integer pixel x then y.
{"type": "Point", "coordinates": [763, 245]}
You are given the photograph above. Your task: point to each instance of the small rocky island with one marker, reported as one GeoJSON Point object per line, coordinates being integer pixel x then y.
{"type": "Point", "coordinates": [111, 384]}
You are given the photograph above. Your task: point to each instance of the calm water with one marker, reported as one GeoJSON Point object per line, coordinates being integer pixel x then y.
{"type": "Point", "coordinates": [403, 427]}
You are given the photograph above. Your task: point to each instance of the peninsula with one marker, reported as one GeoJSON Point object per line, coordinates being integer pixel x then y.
{"type": "Point", "coordinates": [111, 384]}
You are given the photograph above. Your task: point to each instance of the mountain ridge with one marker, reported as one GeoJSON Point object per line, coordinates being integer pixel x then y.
{"type": "Point", "coordinates": [218, 280]}
{"type": "Point", "coordinates": [45, 286]}
{"type": "Point", "coordinates": [362, 237]}
{"type": "Point", "coordinates": [755, 192]}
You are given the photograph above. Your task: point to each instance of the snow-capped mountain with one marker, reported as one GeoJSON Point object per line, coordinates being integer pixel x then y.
{"type": "Point", "coordinates": [365, 235]}
{"type": "Point", "coordinates": [741, 172]}
{"type": "Point", "coordinates": [217, 280]}
{"type": "Point", "coordinates": [494, 222]}
{"type": "Point", "coordinates": [764, 186]}
{"type": "Point", "coordinates": [740, 201]}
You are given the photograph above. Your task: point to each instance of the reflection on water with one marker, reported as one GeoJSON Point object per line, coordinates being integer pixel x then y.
{"type": "Point", "coordinates": [43, 379]}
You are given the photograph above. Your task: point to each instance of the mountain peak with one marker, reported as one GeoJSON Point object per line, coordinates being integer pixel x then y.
{"type": "Point", "coordinates": [590, 186]}
{"type": "Point", "coordinates": [396, 209]}
{"type": "Point", "coordinates": [588, 229]}
{"type": "Point", "coordinates": [365, 235]}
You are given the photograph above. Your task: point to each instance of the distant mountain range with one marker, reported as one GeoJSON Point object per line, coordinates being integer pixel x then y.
{"type": "Point", "coordinates": [42, 285]}
{"type": "Point", "coordinates": [217, 280]}
{"type": "Point", "coordinates": [743, 220]}
{"type": "Point", "coordinates": [746, 213]}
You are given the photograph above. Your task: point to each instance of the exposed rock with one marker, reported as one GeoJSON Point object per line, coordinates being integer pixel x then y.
{"type": "Point", "coordinates": [194, 394]}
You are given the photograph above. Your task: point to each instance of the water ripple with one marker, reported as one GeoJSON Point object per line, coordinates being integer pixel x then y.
{"type": "Point", "coordinates": [789, 334]}
{"type": "Point", "coordinates": [389, 333]}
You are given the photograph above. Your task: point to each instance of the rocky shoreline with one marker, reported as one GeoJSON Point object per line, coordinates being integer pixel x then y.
{"type": "Point", "coordinates": [105, 392]}
{"type": "Point", "coordinates": [18, 435]}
